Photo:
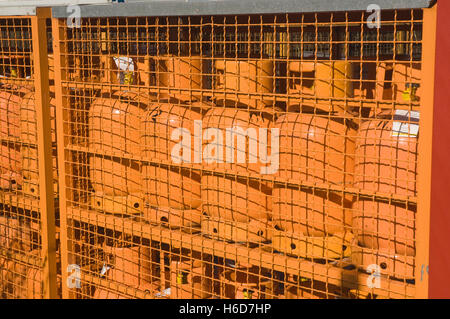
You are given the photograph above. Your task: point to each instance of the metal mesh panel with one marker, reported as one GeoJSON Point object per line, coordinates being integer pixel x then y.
{"type": "Point", "coordinates": [251, 156]}
{"type": "Point", "coordinates": [21, 247]}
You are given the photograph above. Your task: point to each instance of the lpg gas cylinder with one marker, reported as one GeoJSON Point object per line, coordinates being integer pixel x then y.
{"type": "Point", "coordinates": [305, 288]}
{"type": "Point", "coordinates": [167, 134]}
{"type": "Point", "coordinates": [14, 279]}
{"type": "Point", "coordinates": [129, 266]}
{"type": "Point", "coordinates": [29, 150]}
{"type": "Point", "coordinates": [173, 193]}
{"type": "Point", "coordinates": [190, 277]}
{"type": "Point", "coordinates": [114, 138]}
{"type": "Point", "coordinates": [244, 281]}
{"type": "Point", "coordinates": [18, 230]}
{"type": "Point", "coordinates": [399, 81]}
{"type": "Point", "coordinates": [386, 162]}
{"type": "Point", "coordinates": [114, 123]}
{"type": "Point", "coordinates": [318, 150]}
{"type": "Point", "coordinates": [10, 166]}
{"type": "Point", "coordinates": [34, 288]}
{"type": "Point", "coordinates": [10, 100]}
{"type": "Point", "coordinates": [244, 83]}
{"type": "Point", "coordinates": [321, 79]}
{"type": "Point", "coordinates": [230, 142]}
{"type": "Point", "coordinates": [11, 97]}
{"type": "Point", "coordinates": [334, 79]}
{"type": "Point", "coordinates": [313, 221]}
{"type": "Point", "coordinates": [182, 76]}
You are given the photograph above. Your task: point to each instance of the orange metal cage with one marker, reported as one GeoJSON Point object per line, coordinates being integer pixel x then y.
{"type": "Point", "coordinates": [261, 156]}
{"type": "Point", "coordinates": [27, 214]}
{"type": "Point", "coordinates": [217, 228]}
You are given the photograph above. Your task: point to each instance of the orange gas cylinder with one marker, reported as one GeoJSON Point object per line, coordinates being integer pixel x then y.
{"type": "Point", "coordinates": [240, 199]}
{"type": "Point", "coordinates": [245, 282]}
{"type": "Point", "coordinates": [163, 139]}
{"type": "Point", "coordinates": [301, 78]}
{"type": "Point", "coordinates": [129, 266]}
{"type": "Point", "coordinates": [399, 81]}
{"type": "Point", "coordinates": [321, 79]}
{"type": "Point", "coordinates": [28, 123]}
{"type": "Point", "coordinates": [34, 286]}
{"type": "Point", "coordinates": [114, 123]}
{"type": "Point", "coordinates": [10, 101]}
{"type": "Point", "coordinates": [333, 79]}
{"type": "Point", "coordinates": [34, 283]}
{"type": "Point", "coordinates": [10, 166]}
{"type": "Point", "coordinates": [14, 279]}
{"type": "Point", "coordinates": [16, 276]}
{"type": "Point", "coordinates": [365, 80]}
{"type": "Point", "coordinates": [305, 288]}
{"type": "Point", "coordinates": [28, 135]}
{"type": "Point", "coordinates": [316, 150]}
{"type": "Point", "coordinates": [11, 97]}
{"type": "Point", "coordinates": [174, 193]}
{"type": "Point", "coordinates": [244, 83]}
{"type": "Point", "coordinates": [13, 230]}
{"type": "Point", "coordinates": [180, 73]}
{"type": "Point", "coordinates": [386, 162]}
{"type": "Point", "coordinates": [190, 278]}
{"type": "Point", "coordinates": [114, 138]}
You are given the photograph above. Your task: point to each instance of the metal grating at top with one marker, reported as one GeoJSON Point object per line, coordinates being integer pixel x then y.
{"type": "Point", "coordinates": [222, 7]}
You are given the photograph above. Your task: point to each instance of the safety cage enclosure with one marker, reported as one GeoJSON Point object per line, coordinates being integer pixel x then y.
{"type": "Point", "coordinates": [200, 150]}
{"type": "Point", "coordinates": [28, 170]}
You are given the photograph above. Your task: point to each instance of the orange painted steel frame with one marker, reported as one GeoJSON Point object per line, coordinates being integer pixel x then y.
{"type": "Point", "coordinates": [42, 94]}
{"type": "Point", "coordinates": [44, 133]}
{"type": "Point", "coordinates": [61, 116]}
{"type": "Point", "coordinates": [436, 285]}
{"type": "Point", "coordinates": [424, 154]}
{"type": "Point", "coordinates": [439, 258]}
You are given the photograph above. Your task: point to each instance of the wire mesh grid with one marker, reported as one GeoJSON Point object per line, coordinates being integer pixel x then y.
{"type": "Point", "coordinates": [21, 258]}
{"type": "Point", "coordinates": [250, 156]}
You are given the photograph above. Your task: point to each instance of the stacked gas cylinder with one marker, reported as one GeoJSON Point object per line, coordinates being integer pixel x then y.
{"type": "Point", "coordinates": [11, 97]}
{"type": "Point", "coordinates": [330, 151]}
{"type": "Point", "coordinates": [147, 164]}
{"type": "Point", "coordinates": [173, 193]}
{"type": "Point", "coordinates": [386, 164]}
{"type": "Point", "coordinates": [18, 235]}
{"type": "Point", "coordinates": [238, 207]}
{"type": "Point", "coordinates": [140, 128]}
{"type": "Point", "coordinates": [19, 157]}
{"type": "Point", "coordinates": [317, 145]}
{"type": "Point", "coordinates": [19, 175]}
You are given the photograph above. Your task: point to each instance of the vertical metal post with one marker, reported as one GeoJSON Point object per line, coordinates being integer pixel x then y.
{"type": "Point", "coordinates": [62, 141]}
{"type": "Point", "coordinates": [439, 279]}
{"type": "Point", "coordinates": [425, 153]}
{"type": "Point", "coordinates": [42, 95]}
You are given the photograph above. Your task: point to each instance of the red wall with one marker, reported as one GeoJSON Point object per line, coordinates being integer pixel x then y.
{"type": "Point", "coordinates": [439, 271]}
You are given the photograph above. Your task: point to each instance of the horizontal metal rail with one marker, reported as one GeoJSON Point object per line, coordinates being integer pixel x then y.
{"type": "Point", "coordinates": [208, 7]}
